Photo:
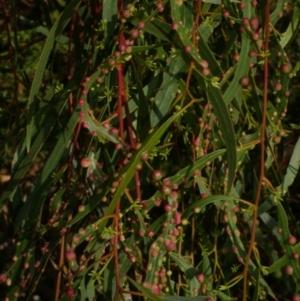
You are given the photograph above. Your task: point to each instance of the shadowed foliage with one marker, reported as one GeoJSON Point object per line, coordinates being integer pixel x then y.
{"type": "Point", "coordinates": [149, 150]}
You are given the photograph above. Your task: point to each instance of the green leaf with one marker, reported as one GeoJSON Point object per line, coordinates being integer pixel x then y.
{"type": "Point", "coordinates": [221, 111]}
{"type": "Point", "coordinates": [275, 14]}
{"type": "Point", "coordinates": [110, 17]}
{"type": "Point", "coordinates": [292, 169]}
{"type": "Point", "coordinates": [242, 70]}
{"type": "Point", "coordinates": [35, 201]}
{"type": "Point", "coordinates": [189, 271]}
{"type": "Point", "coordinates": [56, 31]}
{"type": "Point", "coordinates": [186, 14]}
{"type": "Point", "coordinates": [24, 163]}
{"type": "Point", "coordinates": [158, 28]}
{"type": "Point", "coordinates": [283, 224]}
{"type": "Point", "coordinates": [292, 29]}
{"type": "Point", "coordinates": [127, 172]}
{"type": "Point", "coordinates": [168, 89]}
{"type": "Point", "coordinates": [284, 260]}
{"type": "Point", "coordinates": [215, 97]}
{"type": "Point", "coordinates": [145, 291]}
{"type": "Point", "coordinates": [212, 199]}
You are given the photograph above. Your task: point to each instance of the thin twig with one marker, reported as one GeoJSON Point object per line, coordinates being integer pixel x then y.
{"type": "Point", "coordinates": [115, 251]}
{"type": "Point", "coordinates": [262, 152]}
{"type": "Point", "coordinates": [60, 267]}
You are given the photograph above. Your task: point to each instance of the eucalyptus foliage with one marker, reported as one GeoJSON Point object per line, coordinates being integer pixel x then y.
{"type": "Point", "coordinates": [142, 122]}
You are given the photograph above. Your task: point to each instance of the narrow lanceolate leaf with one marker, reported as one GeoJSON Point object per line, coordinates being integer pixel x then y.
{"type": "Point", "coordinates": [186, 14]}
{"type": "Point", "coordinates": [96, 128]}
{"type": "Point", "coordinates": [26, 162]}
{"type": "Point", "coordinates": [206, 54]}
{"type": "Point", "coordinates": [221, 111]}
{"type": "Point", "coordinates": [90, 122]}
{"type": "Point", "coordinates": [275, 14]}
{"type": "Point", "coordinates": [292, 28]}
{"type": "Point", "coordinates": [184, 33]}
{"type": "Point", "coordinates": [127, 172]}
{"type": "Point", "coordinates": [109, 16]}
{"type": "Point", "coordinates": [175, 68]}
{"type": "Point", "coordinates": [39, 193]}
{"type": "Point", "coordinates": [189, 271]}
{"type": "Point", "coordinates": [161, 30]}
{"type": "Point", "coordinates": [38, 77]}
{"type": "Point", "coordinates": [284, 260]}
{"type": "Point", "coordinates": [212, 199]}
{"type": "Point", "coordinates": [284, 226]}
{"type": "Point", "coordinates": [214, 96]}
{"type": "Point", "coordinates": [155, 261]}
{"type": "Point", "coordinates": [147, 293]}
{"type": "Point", "coordinates": [136, 159]}
{"type": "Point", "coordinates": [292, 169]}
{"type": "Point", "coordinates": [242, 70]}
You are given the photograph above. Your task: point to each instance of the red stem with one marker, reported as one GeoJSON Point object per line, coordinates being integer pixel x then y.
{"type": "Point", "coordinates": [120, 100]}
{"type": "Point", "coordinates": [63, 238]}
{"type": "Point", "coordinates": [262, 152]}
{"type": "Point", "coordinates": [70, 61]}
{"type": "Point", "coordinates": [115, 252]}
